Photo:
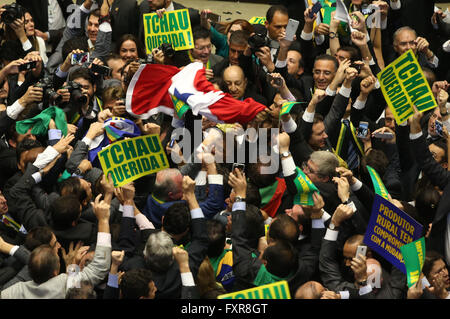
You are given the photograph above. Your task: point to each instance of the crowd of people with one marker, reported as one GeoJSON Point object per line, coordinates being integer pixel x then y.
{"type": "Point", "coordinates": [216, 222]}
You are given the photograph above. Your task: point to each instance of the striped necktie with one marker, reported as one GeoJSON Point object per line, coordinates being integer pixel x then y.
{"type": "Point", "coordinates": [352, 154]}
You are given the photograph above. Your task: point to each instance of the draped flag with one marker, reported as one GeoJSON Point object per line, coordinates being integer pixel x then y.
{"type": "Point", "coordinates": [116, 128]}
{"type": "Point", "coordinates": [154, 86]}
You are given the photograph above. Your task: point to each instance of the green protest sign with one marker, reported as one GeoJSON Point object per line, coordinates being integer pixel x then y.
{"type": "Point", "coordinates": [403, 85]}
{"type": "Point", "coordinates": [277, 290]}
{"type": "Point", "coordinates": [173, 27]}
{"type": "Point", "coordinates": [305, 189]}
{"type": "Point", "coordinates": [414, 257]}
{"type": "Point", "coordinates": [378, 185]}
{"type": "Point", "coordinates": [129, 159]}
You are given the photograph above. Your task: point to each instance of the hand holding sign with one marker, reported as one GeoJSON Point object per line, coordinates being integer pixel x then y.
{"type": "Point", "coordinates": [416, 291]}
{"type": "Point", "coordinates": [315, 211]}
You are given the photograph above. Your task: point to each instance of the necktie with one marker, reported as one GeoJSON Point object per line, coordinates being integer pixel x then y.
{"type": "Point", "coordinates": [352, 155]}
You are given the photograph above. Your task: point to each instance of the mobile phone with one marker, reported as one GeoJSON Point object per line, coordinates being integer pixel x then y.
{"type": "Point", "coordinates": [80, 58]}
{"type": "Point", "coordinates": [316, 8]}
{"type": "Point", "coordinates": [438, 128]}
{"type": "Point", "coordinates": [385, 135]}
{"type": "Point", "coordinates": [363, 129]}
{"type": "Point", "coordinates": [239, 166]}
{"type": "Point", "coordinates": [213, 17]}
{"type": "Point", "coordinates": [101, 69]}
{"type": "Point", "coordinates": [361, 250]}
{"type": "Point", "coordinates": [291, 29]}
{"type": "Point", "coordinates": [27, 66]}
{"type": "Point", "coordinates": [172, 142]}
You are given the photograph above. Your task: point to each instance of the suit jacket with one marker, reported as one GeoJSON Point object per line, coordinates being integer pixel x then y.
{"type": "Point", "coordinates": [439, 177]}
{"type": "Point", "coordinates": [124, 18]}
{"type": "Point", "coordinates": [144, 8]}
{"type": "Point", "coordinates": [55, 288]}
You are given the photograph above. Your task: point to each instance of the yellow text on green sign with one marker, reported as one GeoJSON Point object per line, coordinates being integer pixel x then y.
{"type": "Point", "coordinates": [130, 159]}
{"type": "Point", "coordinates": [403, 85]}
{"type": "Point", "coordinates": [174, 27]}
{"type": "Point", "coordinates": [257, 20]}
{"type": "Point", "coordinates": [277, 290]}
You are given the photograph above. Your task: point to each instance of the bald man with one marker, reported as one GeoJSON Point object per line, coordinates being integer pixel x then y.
{"type": "Point", "coordinates": [237, 85]}
{"type": "Point", "coordinates": [315, 290]}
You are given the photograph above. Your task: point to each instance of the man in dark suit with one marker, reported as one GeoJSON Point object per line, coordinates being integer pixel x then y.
{"type": "Point", "coordinates": [160, 6]}
{"type": "Point", "coordinates": [438, 239]}
{"type": "Point", "coordinates": [238, 44]}
{"type": "Point", "coordinates": [237, 85]}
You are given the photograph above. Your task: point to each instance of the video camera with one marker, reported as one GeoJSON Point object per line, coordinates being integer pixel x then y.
{"type": "Point", "coordinates": [77, 98]}
{"type": "Point", "coordinates": [49, 93]}
{"type": "Point", "coordinates": [257, 41]}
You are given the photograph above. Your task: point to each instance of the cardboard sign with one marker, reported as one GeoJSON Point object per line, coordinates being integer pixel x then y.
{"type": "Point", "coordinates": [403, 85]}
{"type": "Point", "coordinates": [389, 229]}
{"type": "Point", "coordinates": [277, 290]}
{"type": "Point", "coordinates": [174, 27]}
{"type": "Point", "coordinates": [129, 159]}
{"type": "Point", "coordinates": [257, 20]}
{"type": "Point", "coordinates": [414, 257]}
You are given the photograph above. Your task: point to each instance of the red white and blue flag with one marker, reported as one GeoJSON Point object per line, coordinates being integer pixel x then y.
{"type": "Point", "coordinates": [153, 86]}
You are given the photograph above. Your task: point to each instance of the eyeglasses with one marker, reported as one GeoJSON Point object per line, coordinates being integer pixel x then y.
{"type": "Point", "coordinates": [307, 169]}
{"type": "Point", "coordinates": [208, 46]}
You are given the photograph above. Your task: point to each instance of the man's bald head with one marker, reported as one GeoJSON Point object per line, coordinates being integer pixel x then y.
{"type": "Point", "coordinates": [236, 82]}
{"type": "Point", "coordinates": [168, 185]}
{"type": "Point", "coordinates": [309, 290]}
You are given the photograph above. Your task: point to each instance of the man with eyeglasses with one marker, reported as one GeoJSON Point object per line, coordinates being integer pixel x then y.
{"type": "Point", "coordinates": [406, 38]}
{"type": "Point", "coordinates": [202, 50]}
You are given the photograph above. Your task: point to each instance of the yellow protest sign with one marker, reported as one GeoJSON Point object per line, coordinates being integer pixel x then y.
{"type": "Point", "coordinates": [257, 20]}
{"type": "Point", "coordinates": [277, 290]}
{"type": "Point", "coordinates": [403, 85]}
{"type": "Point", "coordinates": [174, 27]}
{"type": "Point", "coordinates": [129, 159]}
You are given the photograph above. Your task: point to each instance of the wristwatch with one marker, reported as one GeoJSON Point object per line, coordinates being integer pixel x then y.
{"type": "Point", "coordinates": [239, 199]}
{"type": "Point", "coordinates": [285, 154]}
{"type": "Point", "coordinates": [332, 35]}
{"type": "Point", "coordinates": [332, 226]}
{"type": "Point", "coordinates": [362, 283]}
{"type": "Point", "coordinates": [78, 172]}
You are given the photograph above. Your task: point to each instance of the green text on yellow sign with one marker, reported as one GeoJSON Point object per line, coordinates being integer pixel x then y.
{"type": "Point", "coordinates": [403, 85]}
{"type": "Point", "coordinates": [277, 290]}
{"type": "Point", "coordinates": [174, 27]}
{"type": "Point", "coordinates": [130, 159]}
